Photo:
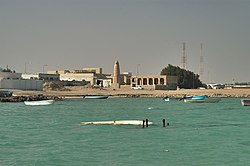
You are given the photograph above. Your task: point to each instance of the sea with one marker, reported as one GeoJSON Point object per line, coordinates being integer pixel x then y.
{"type": "Point", "coordinates": [199, 134]}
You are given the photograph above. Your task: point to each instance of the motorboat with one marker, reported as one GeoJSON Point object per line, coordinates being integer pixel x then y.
{"type": "Point", "coordinates": [96, 97]}
{"type": "Point", "coordinates": [198, 97]}
{"type": "Point", "coordinates": [205, 100]}
{"type": "Point", "coordinates": [245, 102]}
{"type": "Point", "coordinates": [39, 102]}
{"type": "Point", "coordinates": [193, 98]}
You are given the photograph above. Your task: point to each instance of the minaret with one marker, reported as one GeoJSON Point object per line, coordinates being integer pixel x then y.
{"type": "Point", "coordinates": [116, 75]}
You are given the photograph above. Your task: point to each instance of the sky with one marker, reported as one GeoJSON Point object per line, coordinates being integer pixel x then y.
{"type": "Point", "coordinates": [143, 35]}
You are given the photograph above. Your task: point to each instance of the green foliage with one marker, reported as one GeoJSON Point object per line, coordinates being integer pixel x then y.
{"type": "Point", "coordinates": [8, 70]}
{"type": "Point", "coordinates": [186, 79]}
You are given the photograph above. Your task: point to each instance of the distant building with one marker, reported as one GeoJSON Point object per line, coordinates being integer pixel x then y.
{"type": "Point", "coordinates": [93, 76]}
{"type": "Point", "coordinates": [79, 71]}
{"type": "Point", "coordinates": [42, 76]}
{"type": "Point", "coordinates": [157, 82]}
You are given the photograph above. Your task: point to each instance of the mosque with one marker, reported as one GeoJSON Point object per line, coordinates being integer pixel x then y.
{"type": "Point", "coordinates": [96, 78]}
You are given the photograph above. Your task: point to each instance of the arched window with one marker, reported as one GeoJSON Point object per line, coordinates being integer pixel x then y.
{"type": "Point", "coordinates": [139, 82]}
{"type": "Point", "coordinates": [145, 81]}
{"type": "Point", "coordinates": [150, 81]}
{"type": "Point", "coordinates": [156, 81]}
{"type": "Point", "coordinates": [162, 82]}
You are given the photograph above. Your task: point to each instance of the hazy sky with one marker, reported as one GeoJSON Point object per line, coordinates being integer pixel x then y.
{"type": "Point", "coordinates": [74, 34]}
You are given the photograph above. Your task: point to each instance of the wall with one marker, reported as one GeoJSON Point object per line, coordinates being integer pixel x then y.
{"type": "Point", "coordinates": [89, 77]}
{"type": "Point", "coordinates": [21, 84]}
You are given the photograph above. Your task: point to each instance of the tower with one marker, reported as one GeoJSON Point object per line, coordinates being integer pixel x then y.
{"type": "Point", "coordinates": [184, 56]}
{"type": "Point", "coordinates": [116, 75]}
{"type": "Point", "coordinates": [201, 64]}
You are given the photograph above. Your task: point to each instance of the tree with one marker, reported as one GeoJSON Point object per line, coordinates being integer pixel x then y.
{"type": "Point", "coordinates": [186, 79]}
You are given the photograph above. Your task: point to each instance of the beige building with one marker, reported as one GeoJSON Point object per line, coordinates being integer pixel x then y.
{"type": "Point", "coordinates": [93, 76]}
{"type": "Point", "coordinates": [80, 71]}
{"type": "Point", "coordinates": [161, 82]}
{"type": "Point", "coordinates": [8, 75]}
{"type": "Point", "coordinates": [42, 76]}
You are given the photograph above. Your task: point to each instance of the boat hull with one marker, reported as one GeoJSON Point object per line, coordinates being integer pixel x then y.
{"type": "Point", "coordinates": [95, 97]}
{"type": "Point", "coordinates": [41, 102]}
{"type": "Point", "coordinates": [206, 100]}
{"type": "Point", "coordinates": [198, 98]}
{"type": "Point", "coordinates": [117, 122]}
{"type": "Point", "coordinates": [245, 102]}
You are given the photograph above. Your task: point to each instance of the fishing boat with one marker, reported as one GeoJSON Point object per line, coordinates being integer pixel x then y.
{"type": "Point", "coordinates": [245, 102]}
{"type": "Point", "coordinates": [205, 100]}
{"type": "Point", "coordinates": [40, 102]}
{"type": "Point", "coordinates": [96, 97]}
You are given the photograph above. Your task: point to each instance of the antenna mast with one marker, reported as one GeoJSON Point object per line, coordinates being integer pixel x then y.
{"type": "Point", "coordinates": [184, 56]}
{"type": "Point", "coordinates": [201, 63]}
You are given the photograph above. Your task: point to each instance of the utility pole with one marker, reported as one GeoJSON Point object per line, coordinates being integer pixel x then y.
{"type": "Point", "coordinates": [137, 69]}
{"type": "Point", "coordinates": [43, 67]}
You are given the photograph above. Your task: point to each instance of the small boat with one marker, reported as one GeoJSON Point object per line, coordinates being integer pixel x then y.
{"type": "Point", "coordinates": [193, 98]}
{"type": "Point", "coordinates": [6, 93]}
{"type": "Point", "coordinates": [206, 100]}
{"type": "Point", "coordinates": [40, 102]}
{"type": "Point", "coordinates": [185, 97]}
{"type": "Point", "coordinates": [96, 97]}
{"type": "Point", "coordinates": [166, 98]}
{"type": "Point", "coordinates": [198, 98]}
{"type": "Point", "coordinates": [245, 102]}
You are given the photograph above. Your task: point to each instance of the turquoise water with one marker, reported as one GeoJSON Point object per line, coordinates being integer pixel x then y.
{"type": "Point", "coordinates": [202, 134]}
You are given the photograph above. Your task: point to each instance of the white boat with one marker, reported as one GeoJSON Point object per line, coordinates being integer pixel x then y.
{"type": "Point", "coordinates": [117, 122]}
{"type": "Point", "coordinates": [206, 100]}
{"type": "Point", "coordinates": [166, 98]}
{"type": "Point", "coordinates": [193, 98]}
{"type": "Point", "coordinates": [245, 102]}
{"type": "Point", "coordinates": [96, 97]}
{"type": "Point", "coordinates": [40, 102]}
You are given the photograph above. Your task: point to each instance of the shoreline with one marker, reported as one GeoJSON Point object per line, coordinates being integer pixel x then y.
{"type": "Point", "coordinates": [125, 92]}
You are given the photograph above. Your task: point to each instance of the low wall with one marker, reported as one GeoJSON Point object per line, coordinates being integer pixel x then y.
{"type": "Point", "coordinates": [21, 84]}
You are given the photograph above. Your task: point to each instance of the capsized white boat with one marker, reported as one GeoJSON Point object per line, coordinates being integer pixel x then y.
{"type": "Point", "coordinates": [40, 102]}
{"type": "Point", "coordinates": [117, 122]}
{"type": "Point", "coordinates": [245, 102]}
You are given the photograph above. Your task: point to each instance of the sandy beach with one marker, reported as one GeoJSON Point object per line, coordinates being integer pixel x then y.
{"type": "Point", "coordinates": [77, 91]}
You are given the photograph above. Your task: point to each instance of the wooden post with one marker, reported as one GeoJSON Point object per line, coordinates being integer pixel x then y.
{"type": "Point", "coordinates": [146, 122]}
